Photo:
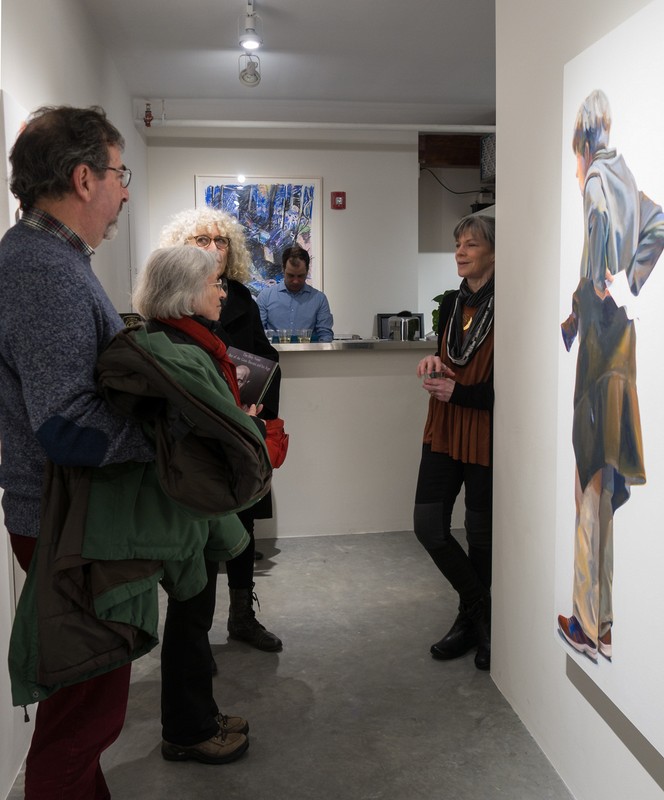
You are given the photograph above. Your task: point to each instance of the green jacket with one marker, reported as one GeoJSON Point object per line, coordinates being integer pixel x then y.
{"type": "Point", "coordinates": [108, 536]}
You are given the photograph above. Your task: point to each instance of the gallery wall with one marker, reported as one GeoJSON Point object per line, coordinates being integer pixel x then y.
{"type": "Point", "coordinates": [391, 249]}
{"type": "Point", "coordinates": [595, 748]}
{"type": "Point", "coordinates": [369, 249]}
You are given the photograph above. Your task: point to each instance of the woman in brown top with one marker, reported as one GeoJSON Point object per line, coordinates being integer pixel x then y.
{"type": "Point", "coordinates": [456, 449]}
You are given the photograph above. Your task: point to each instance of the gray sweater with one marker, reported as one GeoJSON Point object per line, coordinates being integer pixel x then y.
{"type": "Point", "coordinates": [55, 319]}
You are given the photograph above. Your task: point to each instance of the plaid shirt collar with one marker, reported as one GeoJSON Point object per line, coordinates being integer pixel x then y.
{"type": "Point", "coordinates": [43, 221]}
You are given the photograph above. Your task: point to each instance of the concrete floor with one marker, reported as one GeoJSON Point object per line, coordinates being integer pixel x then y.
{"type": "Point", "coordinates": [354, 707]}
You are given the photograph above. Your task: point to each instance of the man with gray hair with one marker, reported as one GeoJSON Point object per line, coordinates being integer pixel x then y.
{"type": "Point", "coordinates": [55, 319]}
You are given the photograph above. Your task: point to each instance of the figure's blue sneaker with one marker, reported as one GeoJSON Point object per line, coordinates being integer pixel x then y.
{"type": "Point", "coordinates": [573, 633]}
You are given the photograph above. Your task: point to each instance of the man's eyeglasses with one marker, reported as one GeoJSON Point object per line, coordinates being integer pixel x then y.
{"type": "Point", "coordinates": [125, 173]}
{"type": "Point", "coordinates": [220, 242]}
{"type": "Point", "coordinates": [221, 284]}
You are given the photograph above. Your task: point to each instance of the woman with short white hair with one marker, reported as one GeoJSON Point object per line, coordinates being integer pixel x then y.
{"type": "Point", "coordinates": [180, 292]}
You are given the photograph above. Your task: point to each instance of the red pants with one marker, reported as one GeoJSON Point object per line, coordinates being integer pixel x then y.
{"type": "Point", "coordinates": [73, 727]}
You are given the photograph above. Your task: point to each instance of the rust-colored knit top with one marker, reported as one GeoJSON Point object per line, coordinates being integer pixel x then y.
{"type": "Point", "coordinates": [463, 432]}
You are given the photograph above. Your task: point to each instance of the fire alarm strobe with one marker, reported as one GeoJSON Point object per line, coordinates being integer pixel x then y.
{"type": "Point", "coordinates": [338, 200]}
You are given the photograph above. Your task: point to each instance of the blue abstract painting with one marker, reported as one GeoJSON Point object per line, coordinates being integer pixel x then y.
{"type": "Point", "coordinates": [276, 213]}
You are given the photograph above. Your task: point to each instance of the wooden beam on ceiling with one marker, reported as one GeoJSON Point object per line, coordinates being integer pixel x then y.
{"type": "Point", "coordinates": [450, 150]}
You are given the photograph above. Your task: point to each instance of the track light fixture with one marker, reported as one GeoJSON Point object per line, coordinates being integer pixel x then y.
{"type": "Point", "coordinates": [250, 29]}
{"type": "Point", "coordinates": [249, 69]}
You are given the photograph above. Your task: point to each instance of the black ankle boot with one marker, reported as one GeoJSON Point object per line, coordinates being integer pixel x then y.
{"type": "Point", "coordinates": [479, 614]}
{"type": "Point", "coordinates": [460, 638]}
{"type": "Point", "coordinates": [243, 625]}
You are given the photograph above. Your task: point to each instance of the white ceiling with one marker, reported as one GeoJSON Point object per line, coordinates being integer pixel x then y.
{"type": "Point", "coordinates": [345, 61]}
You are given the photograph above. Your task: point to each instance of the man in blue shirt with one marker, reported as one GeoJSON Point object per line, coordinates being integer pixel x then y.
{"type": "Point", "coordinates": [295, 305]}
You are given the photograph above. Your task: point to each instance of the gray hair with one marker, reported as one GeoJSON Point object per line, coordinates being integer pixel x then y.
{"type": "Point", "coordinates": [480, 225]}
{"type": "Point", "coordinates": [172, 281]}
{"type": "Point", "coordinates": [216, 223]}
{"type": "Point", "coordinates": [592, 124]}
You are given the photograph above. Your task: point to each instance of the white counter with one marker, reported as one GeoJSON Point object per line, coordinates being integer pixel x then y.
{"type": "Point", "coordinates": [357, 344]}
{"type": "Point", "coordinates": [355, 412]}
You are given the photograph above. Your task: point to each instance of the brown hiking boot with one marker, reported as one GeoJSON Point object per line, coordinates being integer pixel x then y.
{"type": "Point", "coordinates": [232, 724]}
{"type": "Point", "coordinates": [220, 749]}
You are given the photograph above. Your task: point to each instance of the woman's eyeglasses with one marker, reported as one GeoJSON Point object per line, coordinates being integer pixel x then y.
{"type": "Point", "coordinates": [221, 285]}
{"type": "Point", "coordinates": [220, 242]}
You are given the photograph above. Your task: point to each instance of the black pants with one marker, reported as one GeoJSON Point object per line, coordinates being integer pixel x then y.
{"type": "Point", "coordinates": [240, 570]}
{"type": "Point", "coordinates": [188, 709]}
{"type": "Point", "coordinates": [438, 485]}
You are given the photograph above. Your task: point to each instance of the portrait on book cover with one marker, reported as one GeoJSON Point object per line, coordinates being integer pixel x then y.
{"type": "Point", "coordinates": [254, 375]}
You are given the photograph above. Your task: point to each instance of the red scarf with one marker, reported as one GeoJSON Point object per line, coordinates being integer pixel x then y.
{"type": "Point", "coordinates": [213, 345]}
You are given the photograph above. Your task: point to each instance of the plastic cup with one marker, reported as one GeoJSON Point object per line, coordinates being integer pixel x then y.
{"type": "Point", "coordinates": [285, 337]}
{"type": "Point", "coordinates": [304, 335]}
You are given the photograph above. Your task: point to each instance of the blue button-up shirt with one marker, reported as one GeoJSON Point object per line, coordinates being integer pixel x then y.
{"type": "Point", "coordinates": [294, 311]}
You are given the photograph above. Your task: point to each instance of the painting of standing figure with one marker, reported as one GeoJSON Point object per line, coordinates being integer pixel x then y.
{"type": "Point", "coordinates": [623, 240]}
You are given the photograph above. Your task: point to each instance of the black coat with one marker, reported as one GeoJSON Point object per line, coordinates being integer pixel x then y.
{"type": "Point", "coordinates": [240, 326]}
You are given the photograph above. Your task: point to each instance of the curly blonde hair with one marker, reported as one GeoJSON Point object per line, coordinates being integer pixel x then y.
{"type": "Point", "coordinates": [216, 223]}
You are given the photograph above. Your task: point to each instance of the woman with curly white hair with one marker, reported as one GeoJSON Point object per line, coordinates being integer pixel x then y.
{"type": "Point", "coordinates": [192, 225]}
{"type": "Point", "coordinates": [239, 326]}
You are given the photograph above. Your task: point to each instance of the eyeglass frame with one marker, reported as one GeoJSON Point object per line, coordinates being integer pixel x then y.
{"type": "Point", "coordinates": [224, 241]}
{"type": "Point", "coordinates": [126, 175]}
{"type": "Point", "coordinates": [221, 284]}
